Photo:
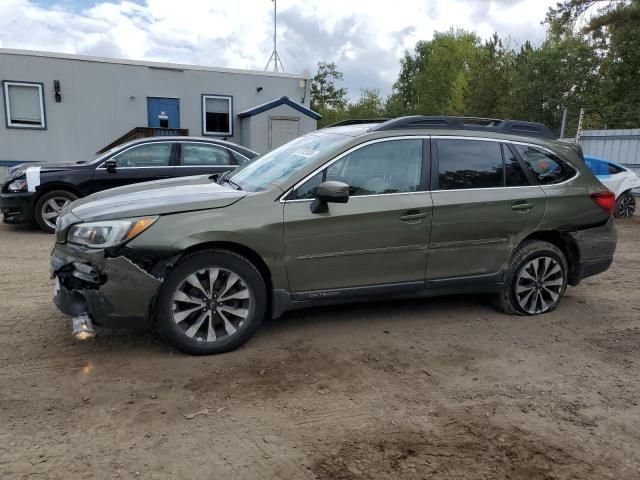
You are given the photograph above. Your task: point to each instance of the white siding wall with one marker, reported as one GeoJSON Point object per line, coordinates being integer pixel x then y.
{"type": "Point", "coordinates": [102, 100]}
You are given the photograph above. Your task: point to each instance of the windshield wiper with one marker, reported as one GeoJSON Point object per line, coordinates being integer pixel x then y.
{"type": "Point", "coordinates": [221, 177]}
{"type": "Point", "coordinates": [233, 184]}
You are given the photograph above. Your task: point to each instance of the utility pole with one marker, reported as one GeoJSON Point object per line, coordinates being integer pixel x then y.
{"type": "Point", "coordinates": [563, 128]}
{"type": "Point", "coordinates": [579, 131]}
{"type": "Point", "coordinates": [274, 55]}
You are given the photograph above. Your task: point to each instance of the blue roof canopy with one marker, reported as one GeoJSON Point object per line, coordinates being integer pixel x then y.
{"type": "Point", "coordinates": [277, 102]}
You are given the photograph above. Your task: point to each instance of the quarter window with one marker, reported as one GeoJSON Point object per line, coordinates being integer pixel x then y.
{"type": "Point", "coordinates": [149, 155]}
{"type": "Point", "coordinates": [392, 166]}
{"type": "Point", "coordinates": [200, 154]}
{"type": "Point", "coordinates": [547, 168]}
{"type": "Point", "coordinates": [24, 105]}
{"type": "Point", "coordinates": [614, 169]}
{"type": "Point", "coordinates": [469, 164]}
{"type": "Point", "coordinates": [216, 115]}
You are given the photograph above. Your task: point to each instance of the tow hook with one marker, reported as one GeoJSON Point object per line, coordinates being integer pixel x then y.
{"type": "Point", "coordinates": [83, 327]}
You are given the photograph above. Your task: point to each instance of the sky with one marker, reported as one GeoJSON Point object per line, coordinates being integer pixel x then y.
{"type": "Point", "coordinates": [366, 38]}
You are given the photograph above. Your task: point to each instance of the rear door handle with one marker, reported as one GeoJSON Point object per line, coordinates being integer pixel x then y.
{"type": "Point", "coordinates": [522, 206]}
{"type": "Point", "coordinates": [413, 216]}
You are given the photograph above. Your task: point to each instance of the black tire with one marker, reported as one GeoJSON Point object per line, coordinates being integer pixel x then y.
{"type": "Point", "coordinates": [55, 196]}
{"type": "Point", "coordinates": [507, 300]}
{"type": "Point", "coordinates": [225, 260]}
{"type": "Point", "coordinates": [625, 205]}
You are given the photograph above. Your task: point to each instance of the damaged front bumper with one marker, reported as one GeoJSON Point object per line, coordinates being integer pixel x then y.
{"type": "Point", "coordinates": [113, 289]}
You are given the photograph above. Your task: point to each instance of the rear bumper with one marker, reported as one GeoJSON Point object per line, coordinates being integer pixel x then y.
{"type": "Point", "coordinates": [17, 207]}
{"type": "Point", "coordinates": [114, 291]}
{"type": "Point", "coordinates": [596, 247]}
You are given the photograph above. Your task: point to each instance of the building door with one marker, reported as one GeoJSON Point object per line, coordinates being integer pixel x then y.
{"type": "Point", "coordinates": [282, 130]}
{"type": "Point", "coordinates": [163, 112]}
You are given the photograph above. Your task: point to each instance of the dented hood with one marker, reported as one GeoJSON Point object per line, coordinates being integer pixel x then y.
{"type": "Point", "coordinates": [156, 198]}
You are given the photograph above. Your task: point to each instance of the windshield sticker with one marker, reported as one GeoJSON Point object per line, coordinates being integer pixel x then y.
{"type": "Point", "coordinates": [305, 152]}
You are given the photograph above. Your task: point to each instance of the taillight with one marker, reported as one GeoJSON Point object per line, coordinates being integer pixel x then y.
{"type": "Point", "coordinates": [605, 200]}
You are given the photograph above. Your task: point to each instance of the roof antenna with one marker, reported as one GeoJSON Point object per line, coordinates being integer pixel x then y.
{"type": "Point", "coordinates": [275, 57]}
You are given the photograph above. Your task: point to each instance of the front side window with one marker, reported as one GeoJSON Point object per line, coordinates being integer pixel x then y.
{"type": "Point", "coordinates": [546, 167]}
{"type": "Point", "coordinates": [274, 168]}
{"type": "Point", "coordinates": [24, 105]}
{"type": "Point", "coordinates": [148, 155]}
{"type": "Point", "coordinates": [216, 115]}
{"type": "Point", "coordinates": [393, 166]}
{"type": "Point", "coordinates": [201, 154]}
{"type": "Point", "coordinates": [467, 164]}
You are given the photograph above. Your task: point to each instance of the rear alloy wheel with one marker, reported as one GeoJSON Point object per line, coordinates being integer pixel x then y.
{"type": "Point", "coordinates": [625, 205]}
{"type": "Point", "coordinates": [211, 302]}
{"type": "Point", "coordinates": [49, 206]}
{"type": "Point", "coordinates": [539, 285]}
{"type": "Point", "coordinates": [536, 281]}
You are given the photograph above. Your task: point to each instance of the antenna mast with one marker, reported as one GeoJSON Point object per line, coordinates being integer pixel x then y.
{"type": "Point", "coordinates": [275, 57]}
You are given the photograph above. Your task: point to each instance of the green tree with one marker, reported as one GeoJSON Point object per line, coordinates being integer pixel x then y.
{"type": "Point", "coordinates": [441, 78]}
{"type": "Point", "coordinates": [561, 73]}
{"type": "Point", "coordinates": [369, 105]}
{"type": "Point", "coordinates": [489, 79]}
{"type": "Point", "coordinates": [324, 93]}
{"type": "Point", "coordinates": [612, 29]}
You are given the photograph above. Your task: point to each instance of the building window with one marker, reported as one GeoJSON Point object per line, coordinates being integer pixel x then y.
{"type": "Point", "coordinates": [24, 104]}
{"type": "Point", "coordinates": [217, 115]}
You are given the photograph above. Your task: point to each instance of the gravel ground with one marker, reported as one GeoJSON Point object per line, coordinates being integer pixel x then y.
{"type": "Point", "coordinates": [441, 388]}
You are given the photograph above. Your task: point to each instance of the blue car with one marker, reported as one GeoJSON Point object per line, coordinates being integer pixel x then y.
{"type": "Point", "coordinates": [619, 179]}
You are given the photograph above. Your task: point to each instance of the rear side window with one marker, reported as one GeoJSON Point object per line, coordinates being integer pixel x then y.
{"type": "Point", "coordinates": [547, 168]}
{"type": "Point", "coordinates": [613, 169]}
{"type": "Point", "coordinates": [202, 154]}
{"type": "Point", "coordinates": [238, 158]}
{"type": "Point", "coordinates": [469, 164]}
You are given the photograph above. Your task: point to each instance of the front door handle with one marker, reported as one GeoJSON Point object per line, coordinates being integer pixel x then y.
{"type": "Point", "coordinates": [413, 216]}
{"type": "Point", "coordinates": [522, 206]}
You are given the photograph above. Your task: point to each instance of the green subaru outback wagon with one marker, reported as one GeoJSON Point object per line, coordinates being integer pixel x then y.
{"type": "Point", "coordinates": [410, 207]}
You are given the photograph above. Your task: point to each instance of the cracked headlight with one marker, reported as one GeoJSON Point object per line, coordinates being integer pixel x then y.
{"type": "Point", "coordinates": [108, 233]}
{"type": "Point", "coordinates": [19, 185]}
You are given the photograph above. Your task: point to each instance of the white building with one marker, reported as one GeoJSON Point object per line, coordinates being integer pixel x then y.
{"type": "Point", "coordinates": [65, 108]}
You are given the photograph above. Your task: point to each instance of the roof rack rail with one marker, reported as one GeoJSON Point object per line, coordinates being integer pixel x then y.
{"type": "Point", "coordinates": [513, 127]}
{"type": "Point", "coordinates": [357, 121]}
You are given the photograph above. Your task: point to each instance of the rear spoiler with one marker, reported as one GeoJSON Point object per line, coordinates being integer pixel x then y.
{"type": "Point", "coordinates": [574, 146]}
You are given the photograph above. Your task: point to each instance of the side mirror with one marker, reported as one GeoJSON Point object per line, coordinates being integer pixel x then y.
{"type": "Point", "coordinates": [111, 165]}
{"type": "Point", "coordinates": [329, 192]}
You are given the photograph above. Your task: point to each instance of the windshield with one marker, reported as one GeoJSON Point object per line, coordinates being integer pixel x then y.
{"type": "Point", "coordinates": [275, 167]}
{"type": "Point", "coordinates": [104, 155]}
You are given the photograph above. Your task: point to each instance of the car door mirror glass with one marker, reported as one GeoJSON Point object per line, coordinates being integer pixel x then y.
{"type": "Point", "coordinates": [329, 192]}
{"type": "Point", "coordinates": [111, 165]}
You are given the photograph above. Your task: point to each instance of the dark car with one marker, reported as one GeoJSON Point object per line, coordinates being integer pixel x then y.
{"type": "Point", "coordinates": [412, 207]}
{"type": "Point", "coordinates": [39, 193]}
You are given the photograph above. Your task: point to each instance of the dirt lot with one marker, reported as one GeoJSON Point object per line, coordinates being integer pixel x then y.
{"type": "Point", "coordinates": [445, 388]}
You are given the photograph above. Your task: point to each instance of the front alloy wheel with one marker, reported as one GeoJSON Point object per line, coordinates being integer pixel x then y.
{"type": "Point", "coordinates": [49, 206]}
{"type": "Point", "coordinates": [210, 302]}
